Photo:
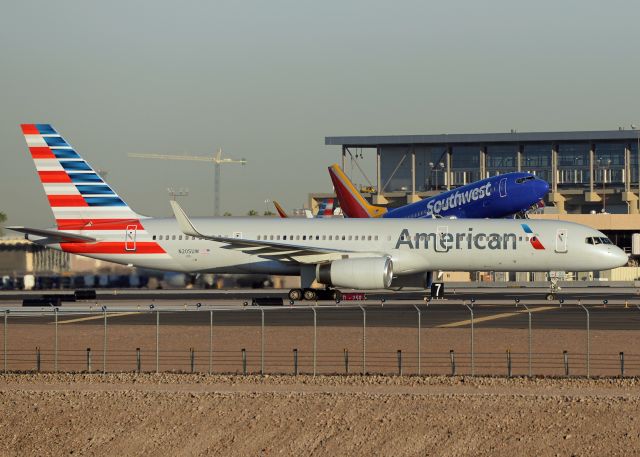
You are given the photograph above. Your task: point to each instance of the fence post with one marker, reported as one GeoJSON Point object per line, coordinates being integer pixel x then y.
{"type": "Point", "coordinates": [210, 341]}
{"type": "Point", "coordinates": [346, 361]}
{"type": "Point", "coordinates": [138, 361]}
{"type": "Point", "coordinates": [6, 314]}
{"type": "Point", "coordinates": [565, 356]}
{"type": "Point", "coordinates": [38, 359]}
{"type": "Point", "coordinates": [452, 356]}
{"type": "Point", "coordinates": [295, 362]}
{"type": "Point", "coordinates": [262, 341]}
{"type": "Point", "coordinates": [508, 363]}
{"type": "Point", "coordinates": [104, 343]}
{"type": "Point", "coordinates": [89, 360]}
{"type": "Point", "coordinates": [315, 339]}
{"type": "Point", "coordinates": [419, 345]}
{"type": "Point", "coordinates": [158, 341]}
{"type": "Point", "coordinates": [622, 364]}
{"type": "Point", "coordinates": [588, 339]}
{"type": "Point", "coordinates": [473, 366]}
{"type": "Point", "coordinates": [364, 340]}
{"type": "Point", "coordinates": [399, 362]}
{"type": "Point", "coordinates": [55, 342]}
{"type": "Point", "coordinates": [244, 361]}
{"type": "Point", "coordinates": [529, 316]}
{"type": "Point", "coordinates": [192, 359]}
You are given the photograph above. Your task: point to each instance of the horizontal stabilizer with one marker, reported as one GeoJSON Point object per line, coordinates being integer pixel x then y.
{"type": "Point", "coordinates": [55, 235]}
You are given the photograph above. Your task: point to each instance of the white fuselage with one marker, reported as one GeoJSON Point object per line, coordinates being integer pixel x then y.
{"type": "Point", "coordinates": [414, 245]}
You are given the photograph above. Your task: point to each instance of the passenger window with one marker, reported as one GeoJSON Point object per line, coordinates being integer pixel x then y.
{"type": "Point", "coordinates": [284, 237]}
{"type": "Point", "coordinates": [154, 237]}
{"type": "Point", "coordinates": [278, 237]}
{"type": "Point", "coordinates": [317, 237]}
{"type": "Point", "coordinates": [330, 237]}
{"type": "Point", "coordinates": [258, 237]}
{"type": "Point", "coordinates": [304, 237]}
{"type": "Point", "coordinates": [343, 237]}
{"type": "Point", "coordinates": [324, 237]}
{"type": "Point", "coordinates": [369, 237]}
{"type": "Point", "coordinates": [173, 237]}
{"type": "Point", "coordinates": [376, 237]}
{"type": "Point", "coordinates": [350, 237]}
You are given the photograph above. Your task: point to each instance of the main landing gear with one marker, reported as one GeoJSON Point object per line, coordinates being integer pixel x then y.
{"type": "Point", "coordinates": [315, 294]}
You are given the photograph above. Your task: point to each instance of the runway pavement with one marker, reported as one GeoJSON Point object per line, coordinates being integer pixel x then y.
{"type": "Point", "coordinates": [444, 314]}
{"type": "Point", "coordinates": [537, 293]}
{"type": "Point", "coordinates": [492, 308]}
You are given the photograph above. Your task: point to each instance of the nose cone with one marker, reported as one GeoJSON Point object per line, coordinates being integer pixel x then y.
{"type": "Point", "coordinates": [619, 257]}
{"type": "Point", "coordinates": [614, 257]}
{"type": "Point", "coordinates": [542, 188]}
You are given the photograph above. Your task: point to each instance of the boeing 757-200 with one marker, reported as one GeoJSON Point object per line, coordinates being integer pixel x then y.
{"type": "Point", "coordinates": [92, 220]}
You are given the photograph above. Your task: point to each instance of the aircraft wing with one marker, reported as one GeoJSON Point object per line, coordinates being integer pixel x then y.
{"type": "Point", "coordinates": [262, 248]}
{"type": "Point", "coordinates": [55, 236]}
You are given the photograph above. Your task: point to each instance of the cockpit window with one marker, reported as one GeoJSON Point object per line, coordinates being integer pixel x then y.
{"type": "Point", "coordinates": [598, 240]}
{"type": "Point", "coordinates": [521, 180]}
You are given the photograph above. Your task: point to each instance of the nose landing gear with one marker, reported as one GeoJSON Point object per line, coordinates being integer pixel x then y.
{"type": "Point", "coordinates": [553, 289]}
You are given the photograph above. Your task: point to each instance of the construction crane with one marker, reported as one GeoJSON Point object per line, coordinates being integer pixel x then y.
{"type": "Point", "coordinates": [217, 160]}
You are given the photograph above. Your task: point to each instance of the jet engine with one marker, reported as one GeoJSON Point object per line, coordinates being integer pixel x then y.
{"type": "Point", "coordinates": [359, 273]}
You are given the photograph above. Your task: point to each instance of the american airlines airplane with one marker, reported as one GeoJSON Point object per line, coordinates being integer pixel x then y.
{"type": "Point", "coordinates": [494, 197]}
{"type": "Point", "coordinates": [92, 220]}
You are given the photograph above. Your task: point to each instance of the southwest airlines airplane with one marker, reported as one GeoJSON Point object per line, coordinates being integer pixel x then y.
{"type": "Point", "coordinates": [495, 197]}
{"type": "Point", "coordinates": [92, 220]}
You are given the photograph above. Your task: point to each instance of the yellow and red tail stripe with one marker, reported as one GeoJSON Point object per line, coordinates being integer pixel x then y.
{"type": "Point", "coordinates": [352, 203]}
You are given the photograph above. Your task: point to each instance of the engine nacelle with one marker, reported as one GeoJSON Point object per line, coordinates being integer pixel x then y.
{"type": "Point", "coordinates": [359, 273]}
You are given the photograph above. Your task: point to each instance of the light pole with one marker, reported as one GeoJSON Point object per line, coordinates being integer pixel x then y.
{"type": "Point", "coordinates": [604, 166]}
{"type": "Point", "coordinates": [436, 169]}
{"type": "Point", "coordinates": [634, 127]}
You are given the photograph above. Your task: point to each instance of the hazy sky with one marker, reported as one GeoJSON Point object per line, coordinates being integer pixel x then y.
{"type": "Point", "coordinates": [269, 80]}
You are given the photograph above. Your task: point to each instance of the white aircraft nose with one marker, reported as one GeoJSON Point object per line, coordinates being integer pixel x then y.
{"type": "Point", "coordinates": [617, 257]}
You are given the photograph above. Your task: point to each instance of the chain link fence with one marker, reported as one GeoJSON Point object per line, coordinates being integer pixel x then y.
{"type": "Point", "coordinates": [446, 339]}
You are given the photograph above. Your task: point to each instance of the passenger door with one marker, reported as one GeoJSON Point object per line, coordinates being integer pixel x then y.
{"type": "Point", "coordinates": [130, 238]}
{"type": "Point", "coordinates": [503, 187]}
{"type": "Point", "coordinates": [561, 240]}
{"type": "Point", "coordinates": [442, 231]}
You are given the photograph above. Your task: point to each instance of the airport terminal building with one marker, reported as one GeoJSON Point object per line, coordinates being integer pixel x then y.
{"type": "Point", "coordinates": [593, 175]}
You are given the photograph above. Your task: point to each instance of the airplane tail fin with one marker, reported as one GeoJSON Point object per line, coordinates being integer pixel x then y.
{"type": "Point", "coordinates": [281, 212]}
{"type": "Point", "coordinates": [352, 203]}
{"type": "Point", "coordinates": [78, 196]}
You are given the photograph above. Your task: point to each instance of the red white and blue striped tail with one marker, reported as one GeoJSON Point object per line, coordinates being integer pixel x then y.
{"type": "Point", "coordinates": [78, 196]}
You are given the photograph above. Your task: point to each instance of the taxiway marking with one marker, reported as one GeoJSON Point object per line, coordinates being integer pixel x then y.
{"type": "Point", "coordinates": [92, 318]}
{"type": "Point", "coordinates": [494, 317]}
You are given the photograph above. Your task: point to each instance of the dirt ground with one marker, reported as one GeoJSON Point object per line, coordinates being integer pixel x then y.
{"type": "Point", "coordinates": [171, 414]}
